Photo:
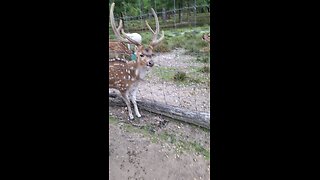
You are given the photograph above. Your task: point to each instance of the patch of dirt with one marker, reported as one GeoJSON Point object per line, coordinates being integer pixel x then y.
{"type": "Point", "coordinates": [143, 154]}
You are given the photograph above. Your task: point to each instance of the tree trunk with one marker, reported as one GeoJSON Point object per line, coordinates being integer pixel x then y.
{"type": "Point", "coordinates": [198, 118]}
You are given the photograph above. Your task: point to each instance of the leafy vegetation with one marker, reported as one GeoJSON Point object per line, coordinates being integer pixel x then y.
{"type": "Point", "coordinates": [135, 8]}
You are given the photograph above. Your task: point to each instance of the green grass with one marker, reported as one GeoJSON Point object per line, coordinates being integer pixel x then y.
{"type": "Point", "coordinates": [192, 75]}
{"type": "Point", "coordinates": [204, 69]}
{"type": "Point", "coordinates": [112, 120]}
{"type": "Point", "coordinates": [188, 38]}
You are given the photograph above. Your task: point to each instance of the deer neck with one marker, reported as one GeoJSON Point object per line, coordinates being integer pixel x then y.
{"type": "Point", "coordinates": [139, 71]}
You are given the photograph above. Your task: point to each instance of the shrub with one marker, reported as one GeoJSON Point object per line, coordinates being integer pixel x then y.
{"type": "Point", "coordinates": [180, 76]}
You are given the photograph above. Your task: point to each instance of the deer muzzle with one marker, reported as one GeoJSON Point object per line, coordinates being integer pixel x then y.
{"type": "Point", "coordinates": [150, 63]}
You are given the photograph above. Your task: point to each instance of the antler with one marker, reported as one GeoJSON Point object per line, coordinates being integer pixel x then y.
{"type": "Point", "coordinates": [155, 41]}
{"type": "Point", "coordinates": [120, 27]}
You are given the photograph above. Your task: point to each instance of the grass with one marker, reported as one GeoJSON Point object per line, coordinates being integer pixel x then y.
{"type": "Point", "coordinates": [112, 120]}
{"type": "Point", "coordinates": [191, 75]}
{"type": "Point", "coordinates": [189, 38]}
{"type": "Point", "coordinates": [204, 69]}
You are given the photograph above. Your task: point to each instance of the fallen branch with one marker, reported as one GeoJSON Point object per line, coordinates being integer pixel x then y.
{"type": "Point", "coordinates": [198, 118]}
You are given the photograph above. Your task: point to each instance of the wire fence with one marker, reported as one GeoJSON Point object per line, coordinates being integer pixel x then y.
{"type": "Point", "coordinates": [168, 18]}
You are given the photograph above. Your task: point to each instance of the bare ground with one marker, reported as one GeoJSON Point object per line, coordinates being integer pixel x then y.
{"type": "Point", "coordinates": [156, 147]}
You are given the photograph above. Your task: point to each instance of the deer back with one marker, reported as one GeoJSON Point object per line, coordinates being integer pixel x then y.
{"type": "Point", "coordinates": [124, 74]}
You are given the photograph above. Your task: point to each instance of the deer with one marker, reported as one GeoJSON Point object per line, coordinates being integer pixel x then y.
{"type": "Point", "coordinates": [125, 76]}
{"type": "Point", "coordinates": [118, 47]}
{"type": "Point", "coordinates": [206, 37]}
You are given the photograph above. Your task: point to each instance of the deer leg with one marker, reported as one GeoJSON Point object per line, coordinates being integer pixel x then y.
{"type": "Point", "coordinates": [134, 102]}
{"type": "Point", "coordinates": [126, 100]}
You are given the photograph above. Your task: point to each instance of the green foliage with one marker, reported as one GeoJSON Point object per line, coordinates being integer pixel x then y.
{"type": "Point", "coordinates": [203, 58]}
{"type": "Point", "coordinates": [205, 69]}
{"type": "Point", "coordinates": [190, 75]}
{"type": "Point", "coordinates": [180, 76]}
{"type": "Point", "coordinates": [187, 38]}
{"type": "Point", "coordinates": [133, 7]}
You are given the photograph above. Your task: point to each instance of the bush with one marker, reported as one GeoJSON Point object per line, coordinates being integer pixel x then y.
{"type": "Point", "coordinates": [180, 76]}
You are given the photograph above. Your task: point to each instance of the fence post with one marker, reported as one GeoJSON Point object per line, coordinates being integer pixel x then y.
{"type": "Point", "coordinates": [174, 13]}
{"type": "Point", "coordinates": [164, 16]}
{"type": "Point", "coordinates": [141, 27]}
{"type": "Point", "coordinates": [195, 13]}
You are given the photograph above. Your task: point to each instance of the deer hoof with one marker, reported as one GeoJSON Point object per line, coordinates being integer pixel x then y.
{"type": "Point", "coordinates": [131, 118]}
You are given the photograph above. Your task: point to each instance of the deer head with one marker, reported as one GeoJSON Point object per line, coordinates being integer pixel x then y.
{"type": "Point", "coordinates": [141, 50]}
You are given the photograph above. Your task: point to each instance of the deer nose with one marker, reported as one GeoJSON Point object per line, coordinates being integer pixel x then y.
{"type": "Point", "coordinates": [150, 63]}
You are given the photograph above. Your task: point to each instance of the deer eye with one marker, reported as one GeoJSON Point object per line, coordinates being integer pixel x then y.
{"type": "Point", "coordinates": [141, 55]}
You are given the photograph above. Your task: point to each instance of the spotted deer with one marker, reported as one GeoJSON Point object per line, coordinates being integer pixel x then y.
{"type": "Point", "coordinates": [206, 37]}
{"type": "Point", "coordinates": [118, 47]}
{"type": "Point", "coordinates": [124, 75]}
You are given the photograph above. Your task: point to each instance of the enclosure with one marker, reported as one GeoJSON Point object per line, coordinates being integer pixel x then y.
{"type": "Point", "coordinates": [168, 142]}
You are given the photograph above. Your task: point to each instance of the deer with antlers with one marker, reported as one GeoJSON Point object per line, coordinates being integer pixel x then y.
{"type": "Point", "coordinates": [117, 47]}
{"type": "Point", "coordinates": [124, 75]}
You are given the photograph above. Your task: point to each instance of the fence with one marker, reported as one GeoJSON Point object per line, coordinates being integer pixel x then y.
{"type": "Point", "coordinates": [195, 15]}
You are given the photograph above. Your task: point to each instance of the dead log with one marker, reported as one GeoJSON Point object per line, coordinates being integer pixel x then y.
{"type": "Point", "coordinates": [198, 118]}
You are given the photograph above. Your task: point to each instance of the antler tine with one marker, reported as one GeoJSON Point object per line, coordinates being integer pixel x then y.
{"type": "Point", "coordinates": [130, 39]}
{"type": "Point", "coordinates": [157, 23]}
{"type": "Point", "coordinates": [120, 26]}
{"type": "Point", "coordinates": [112, 22]}
{"type": "Point", "coordinates": [149, 27]}
{"type": "Point", "coordinates": [155, 41]}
